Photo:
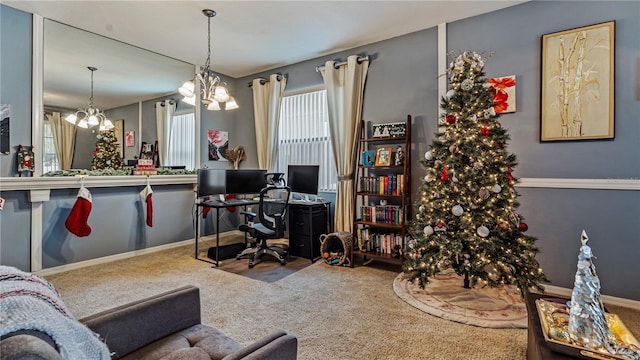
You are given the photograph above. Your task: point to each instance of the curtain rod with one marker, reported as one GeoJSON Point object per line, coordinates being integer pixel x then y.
{"type": "Point", "coordinates": [171, 101]}
{"type": "Point", "coordinates": [360, 59]}
{"type": "Point", "coordinates": [264, 81]}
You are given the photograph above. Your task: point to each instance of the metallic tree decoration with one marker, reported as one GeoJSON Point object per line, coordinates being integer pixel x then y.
{"type": "Point", "coordinates": [587, 322]}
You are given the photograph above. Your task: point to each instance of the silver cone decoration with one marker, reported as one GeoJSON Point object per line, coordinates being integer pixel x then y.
{"type": "Point", "coordinates": [587, 322]}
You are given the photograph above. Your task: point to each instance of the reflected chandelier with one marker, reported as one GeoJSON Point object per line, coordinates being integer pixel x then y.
{"type": "Point", "coordinates": [91, 116]}
{"type": "Point", "coordinates": [213, 90]}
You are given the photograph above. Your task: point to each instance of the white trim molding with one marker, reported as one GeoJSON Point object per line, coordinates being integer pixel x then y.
{"type": "Point", "coordinates": [607, 299]}
{"type": "Point", "coordinates": [596, 184]}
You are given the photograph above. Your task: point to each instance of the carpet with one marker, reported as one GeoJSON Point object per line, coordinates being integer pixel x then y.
{"type": "Point", "coordinates": [335, 312]}
{"type": "Point", "coordinates": [446, 297]}
{"type": "Point", "coordinates": [266, 270]}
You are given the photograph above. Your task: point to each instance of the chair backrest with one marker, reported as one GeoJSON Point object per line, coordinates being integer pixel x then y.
{"type": "Point", "coordinates": [274, 199]}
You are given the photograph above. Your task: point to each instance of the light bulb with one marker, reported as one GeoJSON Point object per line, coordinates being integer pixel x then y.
{"type": "Point", "coordinates": [187, 89]}
{"type": "Point", "coordinates": [93, 120]}
{"type": "Point", "coordinates": [213, 105]}
{"type": "Point", "coordinates": [191, 100]}
{"type": "Point", "coordinates": [71, 118]}
{"type": "Point", "coordinates": [221, 94]}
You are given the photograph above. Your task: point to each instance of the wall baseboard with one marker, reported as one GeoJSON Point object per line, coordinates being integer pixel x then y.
{"type": "Point", "coordinates": [564, 292]}
{"type": "Point", "coordinates": [130, 254]}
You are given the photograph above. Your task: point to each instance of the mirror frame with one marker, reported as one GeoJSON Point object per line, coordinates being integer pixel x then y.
{"type": "Point", "coordinates": [37, 96]}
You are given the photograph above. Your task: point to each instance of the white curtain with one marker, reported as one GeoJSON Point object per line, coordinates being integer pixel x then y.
{"type": "Point", "coordinates": [64, 138]}
{"type": "Point", "coordinates": [345, 88]}
{"type": "Point", "coordinates": [267, 102]}
{"type": "Point", "coordinates": [164, 117]}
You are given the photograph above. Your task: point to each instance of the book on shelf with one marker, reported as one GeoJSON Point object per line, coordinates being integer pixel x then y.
{"type": "Point", "coordinates": [384, 214]}
{"type": "Point", "coordinates": [383, 243]}
{"type": "Point", "coordinates": [392, 184]}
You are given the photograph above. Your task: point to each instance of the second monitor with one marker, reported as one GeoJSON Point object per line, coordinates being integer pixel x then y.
{"type": "Point", "coordinates": [303, 179]}
{"type": "Point", "coordinates": [245, 181]}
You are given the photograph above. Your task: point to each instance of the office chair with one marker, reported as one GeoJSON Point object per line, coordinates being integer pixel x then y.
{"type": "Point", "coordinates": [271, 224]}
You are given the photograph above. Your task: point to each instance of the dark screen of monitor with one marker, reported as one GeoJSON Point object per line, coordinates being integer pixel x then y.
{"type": "Point", "coordinates": [303, 179]}
{"type": "Point", "coordinates": [245, 181]}
{"type": "Point", "coordinates": [211, 182]}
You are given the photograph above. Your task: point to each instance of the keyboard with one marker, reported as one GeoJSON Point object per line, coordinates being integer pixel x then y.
{"type": "Point", "coordinates": [236, 201]}
{"type": "Point", "coordinates": [211, 203]}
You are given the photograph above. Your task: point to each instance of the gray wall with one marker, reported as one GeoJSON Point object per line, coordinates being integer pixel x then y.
{"type": "Point", "coordinates": [117, 222]}
{"type": "Point", "coordinates": [15, 80]}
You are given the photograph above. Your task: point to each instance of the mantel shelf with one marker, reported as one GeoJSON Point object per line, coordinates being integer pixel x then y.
{"type": "Point", "coordinates": [69, 182]}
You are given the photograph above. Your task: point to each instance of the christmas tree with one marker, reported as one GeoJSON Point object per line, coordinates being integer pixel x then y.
{"type": "Point", "coordinates": [466, 215]}
{"type": "Point", "coordinates": [106, 155]}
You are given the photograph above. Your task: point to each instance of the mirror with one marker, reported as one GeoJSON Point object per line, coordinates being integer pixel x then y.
{"type": "Point", "coordinates": [126, 85]}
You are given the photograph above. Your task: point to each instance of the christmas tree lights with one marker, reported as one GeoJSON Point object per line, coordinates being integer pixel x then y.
{"type": "Point", "coordinates": [466, 214]}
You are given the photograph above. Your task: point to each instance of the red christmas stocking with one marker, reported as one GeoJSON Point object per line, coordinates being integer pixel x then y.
{"type": "Point", "coordinates": [146, 194]}
{"type": "Point", "coordinates": [77, 221]}
{"type": "Point", "coordinates": [205, 209]}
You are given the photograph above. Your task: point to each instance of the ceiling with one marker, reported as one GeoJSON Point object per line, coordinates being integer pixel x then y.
{"type": "Point", "coordinates": [251, 36]}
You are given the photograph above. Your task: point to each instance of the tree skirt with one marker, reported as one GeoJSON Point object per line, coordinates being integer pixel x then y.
{"type": "Point", "coordinates": [446, 297]}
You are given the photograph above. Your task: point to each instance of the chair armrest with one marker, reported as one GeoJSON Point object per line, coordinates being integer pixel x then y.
{"type": "Point", "coordinates": [131, 326]}
{"type": "Point", "coordinates": [248, 214]}
{"type": "Point", "coordinates": [276, 346]}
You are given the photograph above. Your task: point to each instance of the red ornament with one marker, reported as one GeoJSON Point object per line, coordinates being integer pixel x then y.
{"type": "Point", "coordinates": [523, 227]}
{"type": "Point", "coordinates": [450, 119]}
{"type": "Point", "coordinates": [509, 177]}
{"type": "Point", "coordinates": [484, 130]}
{"type": "Point", "coordinates": [445, 175]}
{"type": "Point", "coordinates": [500, 144]}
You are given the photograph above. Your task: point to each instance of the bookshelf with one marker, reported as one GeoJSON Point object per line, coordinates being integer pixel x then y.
{"type": "Point", "coordinates": [382, 192]}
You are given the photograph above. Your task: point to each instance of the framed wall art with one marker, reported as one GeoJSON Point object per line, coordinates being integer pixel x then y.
{"type": "Point", "coordinates": [577, 84]}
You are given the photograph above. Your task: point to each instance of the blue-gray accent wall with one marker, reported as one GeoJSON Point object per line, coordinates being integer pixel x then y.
{"type": "Point", "coordinates": [15, 79]}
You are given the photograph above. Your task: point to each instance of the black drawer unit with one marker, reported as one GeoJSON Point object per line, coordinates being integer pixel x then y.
{"type": "Point", "coordinates": [306, 223]}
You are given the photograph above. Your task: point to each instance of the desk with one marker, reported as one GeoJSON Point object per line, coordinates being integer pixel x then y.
{"type": "Point", "coordinates": [218, 205]}
{"type": "Point", "coordinates": [307, 221]}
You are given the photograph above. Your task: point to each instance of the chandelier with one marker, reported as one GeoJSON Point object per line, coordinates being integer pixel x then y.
{"type": "Point", "coordinates": [91, 116]}
{"type": "Point", "coordinates": [213, 90]}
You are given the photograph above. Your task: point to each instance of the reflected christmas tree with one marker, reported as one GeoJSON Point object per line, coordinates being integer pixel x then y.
{"type": "Point", "coordinates": [106, 155]}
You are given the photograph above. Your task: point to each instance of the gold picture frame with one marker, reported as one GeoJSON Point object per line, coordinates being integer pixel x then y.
{"type": "Point", "coordinates": [577, 84]}
{"type": "Point", "coordinates": [383, 156]}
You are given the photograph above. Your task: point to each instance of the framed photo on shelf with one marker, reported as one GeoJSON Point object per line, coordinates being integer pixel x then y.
{"type": "Point", "coordinates": [577, 82]}
{"type": "Point", "coordinates": [383, 156]}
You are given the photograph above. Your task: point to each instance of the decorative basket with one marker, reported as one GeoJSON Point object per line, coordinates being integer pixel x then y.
{"type": "Point", "coordinates": [335, 248]}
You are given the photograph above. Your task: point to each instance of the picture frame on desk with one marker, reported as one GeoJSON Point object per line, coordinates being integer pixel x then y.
{"type": "Point", "coordinates": [383, 156]}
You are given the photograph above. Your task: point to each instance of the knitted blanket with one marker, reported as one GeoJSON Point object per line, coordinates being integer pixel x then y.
{"type": "Point", "coordinates": [29, 302]}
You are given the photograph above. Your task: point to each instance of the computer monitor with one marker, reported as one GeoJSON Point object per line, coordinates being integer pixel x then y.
{"type": "Point", "coordinates": [211, 182]}
{"type": "Point", "coordinates": [245, 181]}
{"type": "Point", "coordinates": [303, 179]}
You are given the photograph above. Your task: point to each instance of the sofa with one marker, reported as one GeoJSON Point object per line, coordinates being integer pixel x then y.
{"type": "Point", "coordinates": [165, 326]}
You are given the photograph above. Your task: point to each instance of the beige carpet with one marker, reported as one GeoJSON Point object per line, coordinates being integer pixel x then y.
{"type": "Point", "coordinates": [336, 312]}
{"type": "Point", "coordinates": [446, 297]}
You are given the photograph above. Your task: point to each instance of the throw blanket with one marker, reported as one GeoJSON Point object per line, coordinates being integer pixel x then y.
{"type": "Point", "coordinates": [29, 302]}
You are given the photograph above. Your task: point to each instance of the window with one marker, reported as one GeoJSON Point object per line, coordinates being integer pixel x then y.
{"type": "Point", "coordinates": [304, 137]}
{"type": "Point", "coordinates": [182, 141]}
{"type": "Point", "coordinates": [49, 157]}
